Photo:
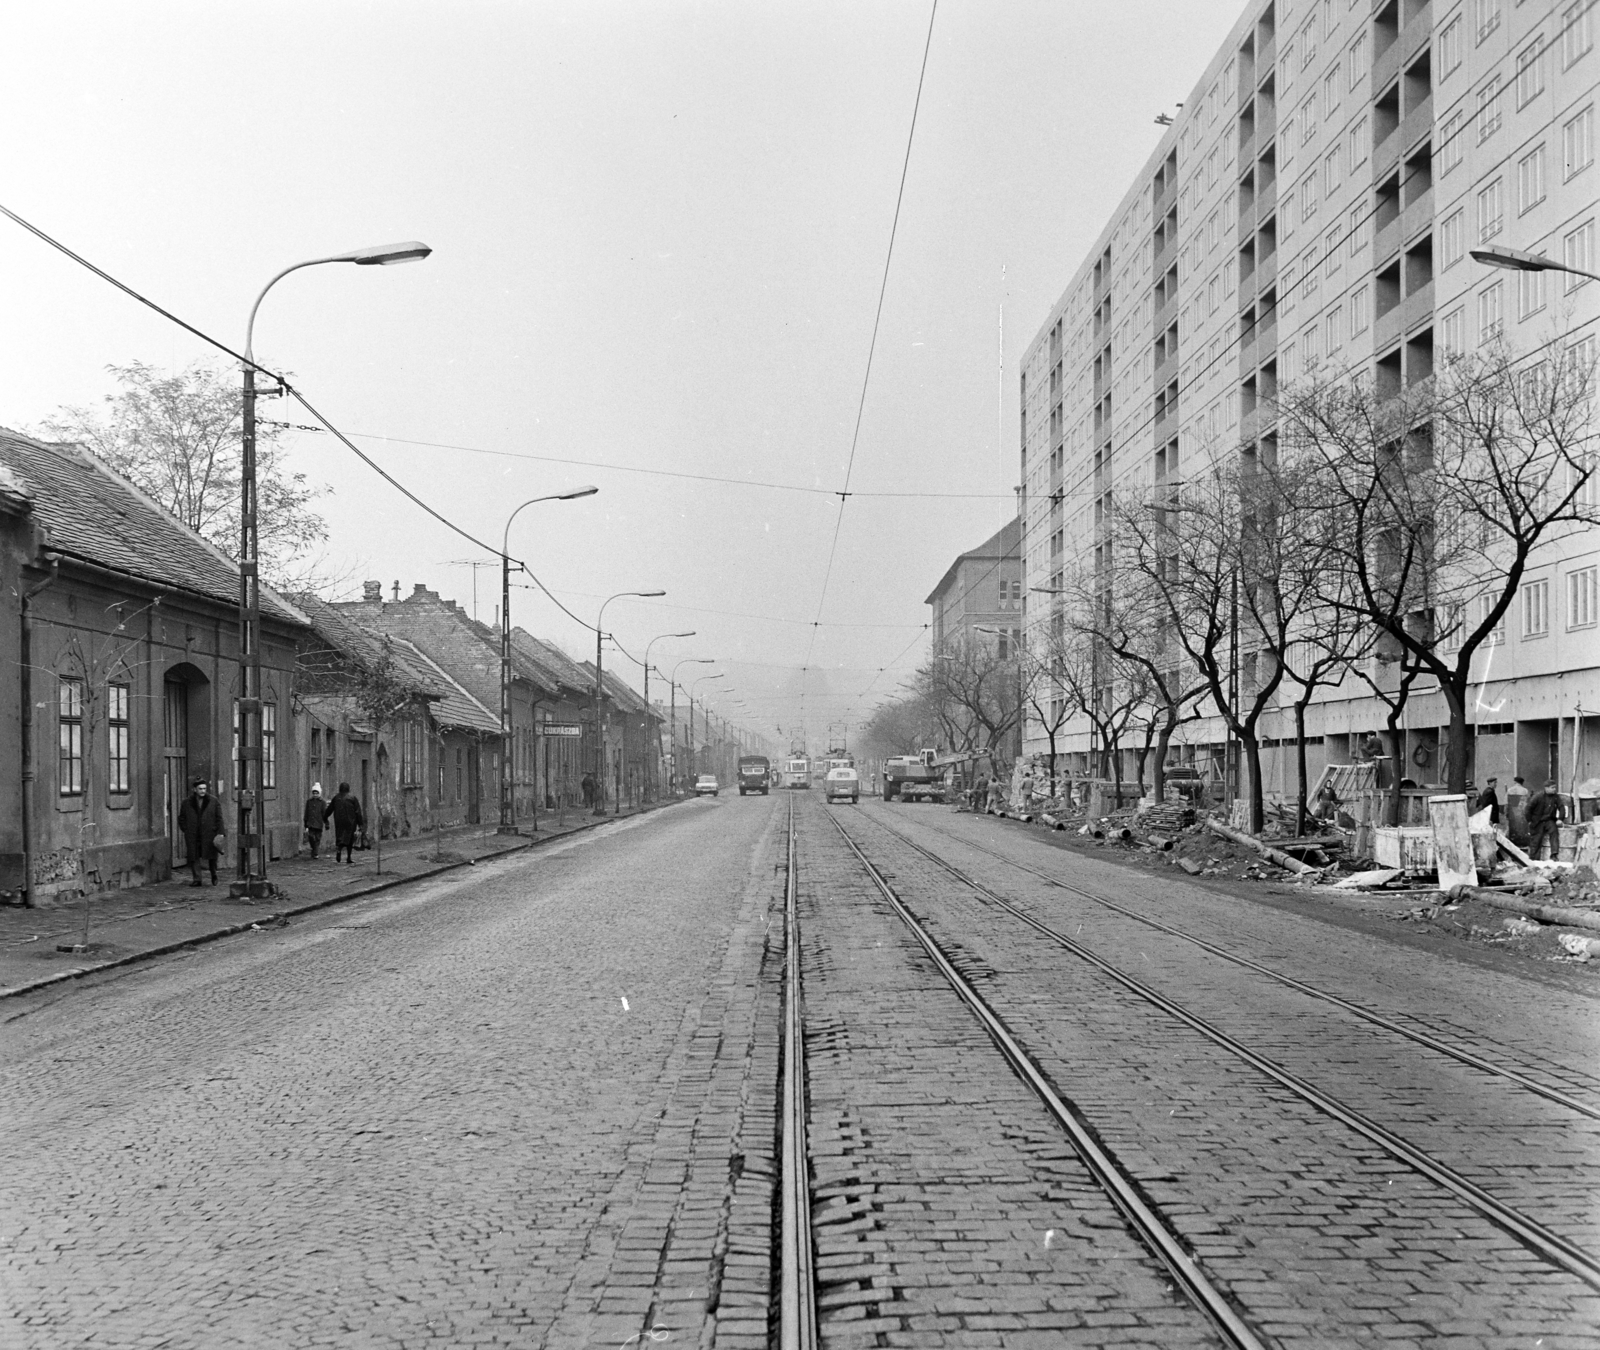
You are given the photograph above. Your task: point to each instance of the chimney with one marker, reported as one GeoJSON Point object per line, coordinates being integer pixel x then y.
{"type": "Point", "coordinates": [397, 592]}
{"type": "Point", "coordinates": [372, 592]}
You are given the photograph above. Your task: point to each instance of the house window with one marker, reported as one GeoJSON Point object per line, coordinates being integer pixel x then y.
{"type": "Point", "coordinates": [1530, 294]}
{"type": "Point", "coordinates": [1358, 230]}
{"type": "Point", "coordinates": [1530, 179]}
{"type": "Point", "coordinates": [1358, 58]}
{"type": "Point", "coordinates": [1358, 142]}
{"type": "Point", "coordinates": [1452, 623]}
{"type": "Point", "coordinates": [1450, 47]}
{"type": "Point", "coordinates": [1450, 148]}
{"type": "Point", "coordinates": [1453, 331]}
{"type": "Point", "coordinates": [1360, 303]}
{"type": "Point", "coordinates": [1308, 348]}
{"type": "Point", "coordinates": [1450, 252]}
{"type": "Point", "coordinates": [1577, 32]}
{"type": "Point", "coordinates": [1308, 196]}
{"type": "Point", "coordinates": [1535, 609]}
{"type": "Point", "coordinates": [1489, 110]}
{"type": "Point", "coordinates": [1488, 17]}
{"type": "Point", "coordinates": [1330, 172]}
{"type": "Point", "coordinates": [411, 752]}
{"type": "Point", "coordinates": [1577, 250]}
{"type": "Point", "coordinates": [1330, 91]}
{"type": "Point", "coordinates": [269, 745]}
{"type": "Point", "coordinates": [69, 714]}
{"type": "Point", "coordinates": [1497, 634]}
{"type": "Point", "coordinates": [1333, 335]}
{"type": "Point", "coordinates": [1530, 73]}
{"type": "Point", "coordinates": [117, 776]}
{"type": "Point", "coordinates": [1491, 314]}
{"type": "Point", "coordinates": [1491, 216]}
{"type": "Point", "coordinates": [1577, 143]}
{"type": "Point", "coordinates": [1581, 598]}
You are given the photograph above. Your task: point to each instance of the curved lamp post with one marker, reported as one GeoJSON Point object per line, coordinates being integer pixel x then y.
{"type": "Point", "coordinates": [1516, 260]}
{"type": "Point", "coordinates": [508, 802]}
{"type": "Point", "coordinates": [650, 781]}
{"type": "Point", "coordinates": [252, 837]}
{"type": "Point", "coordinates": [672, 682]}
{"type": "Point", "coordinates": [599, 738]}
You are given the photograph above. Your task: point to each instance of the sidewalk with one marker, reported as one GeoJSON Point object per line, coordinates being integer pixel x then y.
{"type": "Point", "coordinates": [133, 925]}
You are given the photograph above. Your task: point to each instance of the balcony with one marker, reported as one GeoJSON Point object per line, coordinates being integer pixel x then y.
{"type": "Point", "coordinates": [1166, 368]}
{"type": "Point", "coordinates": [1417, 124]}
{"type": "Point", "coordinates": [1414, 312]}
{"type": "Point", "coordinates": [1166, 423]}
{"type": "Point", "coordinates": [1164, 313]}
{"type": "Point", "coordinates": [1267, 200]}
{"type": "Point", "coordinates": [1267, 339]}
{"type": "Point", "coordinates": [1417, 217]}
{"type": "Point", "coordinates": [1165, 247]}
{"type": "Point", "coordinates": [1267, 272]}
{"type": "Point", "coordinates": [1386, 242]}
{"type": "Point", "coordinates": [1266, 120]}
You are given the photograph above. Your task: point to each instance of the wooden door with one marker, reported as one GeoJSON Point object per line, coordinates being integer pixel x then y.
{"type": "Point", "coordinates": [175, 761]}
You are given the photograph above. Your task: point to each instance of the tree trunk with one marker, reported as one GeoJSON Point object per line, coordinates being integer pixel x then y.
{"type": "Point", "coordinates": [1300, 764]}
{"type": "Point", "coordinates": [1455, 699]}
{"type": "Point", "coordinates": [1391, 732]}
{"type": "Point", "coordinates": [1163, 740]}
{"type": "Point", "coordinates": [1258, 801]}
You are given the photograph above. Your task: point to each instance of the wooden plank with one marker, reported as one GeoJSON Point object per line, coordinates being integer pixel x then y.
{"type": "Point", "coordinates": [1452, 843]}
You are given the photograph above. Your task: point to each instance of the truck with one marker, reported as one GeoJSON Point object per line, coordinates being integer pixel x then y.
{"type": "Point", "coordinates": [755, 774]}
{"type": "Point", "coordinates": [913, 778]}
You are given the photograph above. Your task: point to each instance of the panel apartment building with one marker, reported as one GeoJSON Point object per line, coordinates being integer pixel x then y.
{"type": "Point", "coordinates": [1312, 205]}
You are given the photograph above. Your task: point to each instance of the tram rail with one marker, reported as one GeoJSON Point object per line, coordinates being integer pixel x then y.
{"type": "Point", "coordinates": [1549, 1245]}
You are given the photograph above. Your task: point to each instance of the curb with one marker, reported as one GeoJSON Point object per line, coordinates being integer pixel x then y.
{"type": "Point", "coordinates": [201, 939]}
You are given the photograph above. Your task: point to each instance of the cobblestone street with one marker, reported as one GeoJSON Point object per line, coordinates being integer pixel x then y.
{"type": "Point", "coordinates": [536, 1103]}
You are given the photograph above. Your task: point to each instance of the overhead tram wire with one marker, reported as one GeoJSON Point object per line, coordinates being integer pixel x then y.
{"type": "Point", "coordinates": [872, 346]}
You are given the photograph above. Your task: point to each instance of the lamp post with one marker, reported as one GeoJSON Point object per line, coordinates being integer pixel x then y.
{"type": "Point", "coordinates": [250, 788]}
{"type": "Point", "coordinates": [508, 803]}
{"type": "Point", "coordinates": [673, 682]}
{"type": "Point", "coordinates": [599, 738]}
{"type": "Point", "coordinates": [650, 780]}
{"type": "Point", "coordinates": [693, 753]}
{"type": "Point", "coordinates": [1516, 260]}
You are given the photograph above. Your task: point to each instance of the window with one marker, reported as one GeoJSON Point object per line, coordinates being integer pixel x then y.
{"type": "Point", "coordinates": [1330, 252]}
{"type": "Point", "coordinates": [1577, 32]}
{"type": "Point", "coordinates": [1308, 121]}
{"type": "Point", "coordinates": [1450, 252]}
{"type": "Point", "coordinates": [1358, 142]}
{"type": "Point", "coordinates": [1491, 316]}
{"type": "Point", "coordinates": [1488, 17]}
{"type": "Point", "coordinates": [1330, 172]}
{"type": "Point", "coordinates": [1453, 331]}
{"type": "Point", "coordinates": [1308, 196]}
{"type": "Point", "coordinates": [1530, 72]}
{"type": "Point", "coordinates": [1286, 215]}
{"type": "Point", "coordinates": [69, 713]}
{"type": "Point", "coordinates": [1490, 215]}
{"type": "Point", "coordinates": [1530, 180]}
{"type": "Point", "coordinates": [1286, 141]}
{"type": "Point", "coordinates": [1581, 598]}
{"type": "Point", "coordinates": [1450, 47]}
{"type": "Point", "coordinates": [1358, 58]}
{"type": "Point", "coordinates": [1333, 329]}
{"type": "Point", "coordinates": [1308, 44]}
{"type": "Point", "coordinates": [1229, 268]}
{"type": "Point", "coordinates": [1535, 608]}
{"type": "Point", "coordinates": [117, 777]}
{"type": "Point", "coordinates": [1330, 91]}
{"type": "Point", "coordinates": [1577, 250]}
{"type": "Point", "coordinates": [1530, 294]}
{"type": "Point", "coordinates": [1308, 348]}
{"type": "Point", "coordinates": [1450, 142]}
{"type": "Point", "coordinates": [269, 745]}
{"type": "Point", "coordinates": [1360, 303]}
{"type": "Point", "coordinates": [1577, 143]}
{"type": "Point", "coordinates": [1489, 109]}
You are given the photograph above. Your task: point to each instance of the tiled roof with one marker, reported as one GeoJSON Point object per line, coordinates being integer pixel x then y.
{"type": "Point", "coordinates": [622, 694]}
{"type": "Point", "coordinates": [559, 669]}
{"type": "Point", "coordinates": [1004, 545]}
{"type": "Point", "coordinates": [455, 706]}
{"type": "Point", "coordinates": [93, 513]}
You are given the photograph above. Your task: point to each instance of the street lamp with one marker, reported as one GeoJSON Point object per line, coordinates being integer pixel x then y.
{"type": "Point", "coordinates": [720, 675]}
{"type": "Point", "coordinates": [599, 739]}
{"type": "Point", "coordinates": [1516, 260]}
{"type": "Point", "coordinates": [650, 782]}
{"type": "Point", "coordinates": [252, 837]}
{"type": "Point", "coordinates": [508, 804]}
{"type": "Point", "coordinates": [672, 683]}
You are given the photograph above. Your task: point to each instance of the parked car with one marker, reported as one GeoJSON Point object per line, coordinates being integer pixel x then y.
{"type": "Point", "coordinates": [706, 785]}
{"type": "Point", "coordinates": [840, 784]}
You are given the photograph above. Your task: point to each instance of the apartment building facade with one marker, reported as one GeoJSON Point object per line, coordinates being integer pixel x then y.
{"type": "Point", "coordinates": [1310, 211]}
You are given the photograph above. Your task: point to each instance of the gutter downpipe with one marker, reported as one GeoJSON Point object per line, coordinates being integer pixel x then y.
{"type": "Point", "coordinates": [26, 638]}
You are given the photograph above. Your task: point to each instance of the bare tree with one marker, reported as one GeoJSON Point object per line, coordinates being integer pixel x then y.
{"type": "Point", "coordinates": [973, 694]}
{"type": "Point", "coordinates": [177, 437]}
{"type": "Point", "coordinates": [1444, 493]}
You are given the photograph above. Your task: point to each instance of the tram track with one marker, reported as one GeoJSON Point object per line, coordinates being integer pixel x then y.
{"type": "Point", "coordinates": [1435, 1043]}
{"type": "Point", "coordinates": [1548, 1245]}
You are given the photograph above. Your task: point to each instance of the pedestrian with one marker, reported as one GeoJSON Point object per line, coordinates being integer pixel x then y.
{"type": "Point", "coordinates": [1546, 811]}
{"type": "Point", "coordinates": [1487, 798]}
{"type": "Point", "coordinates": [588, 789]}
{"type": "Point", "coordinates": [997, 796]}
{"type": "Point", "coordinates": [1025, 793]}
{"type": "Point", "coordinates": [980, 792]}
{"type": "Point", "coordinates": [1517, 812]}
{"type": "Point", "coordinates": [1327, 803]}
{"type": "Point", "coordinates": [200, 824]}
{"type": "Point", "coordinates": [345, 813]}
{"type": "Point", "coordinates": [315, 817]}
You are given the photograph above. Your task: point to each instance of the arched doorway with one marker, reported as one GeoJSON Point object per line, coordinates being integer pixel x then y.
{"type": "Point", "coordinates": [186, 749]}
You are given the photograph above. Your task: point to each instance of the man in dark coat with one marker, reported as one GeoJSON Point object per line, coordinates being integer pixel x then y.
{"type": "Point", "coordinates": [315, 818]}
{"type": "Point", "coordinates": [200, 822]}
{"type": "Point", "coordinates": [345, 813]}
{"type": "Point", "coordinates": [1545, 813]}
{"type": "Point", "coordinates": [1488, 798]}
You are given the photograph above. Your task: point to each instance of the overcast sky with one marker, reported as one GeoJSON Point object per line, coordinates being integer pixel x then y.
{"type": "Point", "coordinates": [659, 233]}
